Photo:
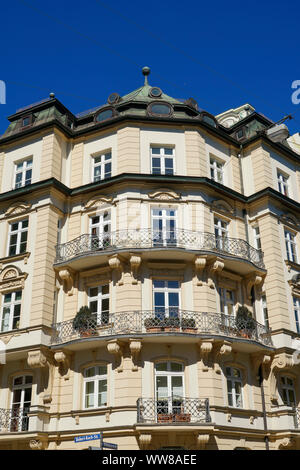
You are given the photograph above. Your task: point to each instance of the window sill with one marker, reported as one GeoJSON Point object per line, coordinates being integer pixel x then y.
{"type": "Point", "coordinates": [10, 259]}
{"type": "Point", "coordinates": [292, 265]}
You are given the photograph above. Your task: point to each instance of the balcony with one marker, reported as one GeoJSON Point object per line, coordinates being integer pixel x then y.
{"type": "Point", "coordinates": [170, 321]}
{"type": "Point", "coordinates": [146, 239]}
{"type": "Point", "coordinates": [173, 410]}
{"type": "Point", "coordinates": [14, 420]}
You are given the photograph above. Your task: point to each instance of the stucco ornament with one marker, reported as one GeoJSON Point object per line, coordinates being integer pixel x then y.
{"type": "Point", "coordinates": [135, 262]}
{"type": "Point", "coordinates": [18, 207]}
{"type": "Point", "coordinates": [67, 277]}
{"type": "Point", "coordinates": [164, 194]}
{"type": "Point", "coordinates": [201, 440]}
{"type": "Point", "coordinates": [280, 361]}
{"type": "Point", "coordinates": [98, 201]}
{"type": "Point", "coordinates": [200, 264]}
{"type": "Point", "coordinates": [115, 348]}
{"type": "Point", "coordinates": [11, 278]}
{"type": "Point", "coordinates": [206, 347]}
{"type": "Point", "coordinates": [117, 268]}
{"type": "Point", "coordinates": [145, 440]}
{"type": "Point", "coordinates": [42, 359]}
{"type": "Point", "coordinates": [135, 346]}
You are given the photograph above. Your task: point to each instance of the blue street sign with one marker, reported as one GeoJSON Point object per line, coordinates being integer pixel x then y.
{"type": "Point", "coordinates": [90, 437]}
{"type": "Point", "coordinates": [109, 445]}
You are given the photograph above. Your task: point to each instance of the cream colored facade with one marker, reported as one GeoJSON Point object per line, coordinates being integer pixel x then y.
{"type": "Point", "coordinates": [169, 387]}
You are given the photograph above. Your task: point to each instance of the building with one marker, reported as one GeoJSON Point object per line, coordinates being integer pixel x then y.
{"type": "Point", "coordinates": [179, 230]}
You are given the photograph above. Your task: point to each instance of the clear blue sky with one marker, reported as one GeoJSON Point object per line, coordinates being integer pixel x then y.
{"type": "Point", "coordinates": [223, 54]}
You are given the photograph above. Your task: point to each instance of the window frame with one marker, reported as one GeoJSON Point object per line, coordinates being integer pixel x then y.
{"type": "Point", "coordinates": [23, 172]}
{"type": "Point", "coordinates": [233, 380]}
{"type": "Point", "coordinates": [291, 245]}
{"type": "Point", "coordinates": [286, 388]}
{"type": "Point", "coordinates": [99, 298]}
{"type": "Point", "coordinates": [162, 156]}
{"type": "Point", "coordinates": [95, 379]}
{"type": "Point", "coordinates": [11, 305]}
{"type": "Point", "coordinates": [256, 237]}
{"type": "Point", "coordinates": [102, 164]}
{"type": "Point", "coordinates": [264, 311]}
{"type": "Point", "coordinates": [283, 182]}
{"type": "Point", "coordinates": [165, 290]}
{"type": "Point", "coordinates": [213, 162]}
{"type": "Point", "coordinates": [17, 232]}
{"type": "Point", "coordinates": [296, 308]}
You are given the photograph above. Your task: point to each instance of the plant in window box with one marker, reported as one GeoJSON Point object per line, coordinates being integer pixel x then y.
{"type": "Point", "coordinates": [188, 325]}
{"type": "Point", "coordinates": [183, 418]}
{"type": "Point", "coordinates": [244, 321]}
{"type": "Point", "coordinates": [153, 325]}
{"type": "Point", "coordinates": [171, 324]}
{"type": "Point", "coordinates": [164, 418]}
{"type": "Point", "coordinates": [84, 322]}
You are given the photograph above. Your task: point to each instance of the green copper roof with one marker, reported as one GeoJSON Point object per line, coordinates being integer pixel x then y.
{"type": "Point", "coordinates": [142, 94]}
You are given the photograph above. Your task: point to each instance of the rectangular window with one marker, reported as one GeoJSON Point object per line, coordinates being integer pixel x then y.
{"type": "Point", "coordinates": [99, 303]}
{"type": "Point", "coordinates": [23, 173]}
{"type": "Point", "coordinates": [17, 238]}
{"type": "Point", "coordinates": [11, 311]}
{"type": "Point", "coordinates": [234, 387]}
{"type": "Point", "coordinates": [216, 170]}
{"type": "Point", "coordinates": [296, 303]}
{"type": "Point", "coordinates": [227, 302]}
{"type": "Point", "coordinates": [290, 244]}
{"type": "Point", "coordinates": [102, 167]}
{"type": "Point", "coordinates": [164, 226]}
{"type": "Point", "coordinates": [162, 161]}
{"type": "Point", "coordinates": [100, 230]}
{"type": "Point", "coordinates": [95, 387]}
{"type": "Point", "coordinates": [256, 234]}
{"type": "Point", "coordinates": [166, 298]}
{"type": "Point", "coordinates": [265, 311]}
{"type": "Point", "coordinates": [282, 183]}
{"type": "Point", "coordinates": [221, 234]}
{"type": "Point", "coordinates": [288, 391]}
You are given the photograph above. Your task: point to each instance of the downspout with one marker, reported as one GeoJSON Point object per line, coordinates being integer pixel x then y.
{"type": "Point", "coordinates": [263, 401]}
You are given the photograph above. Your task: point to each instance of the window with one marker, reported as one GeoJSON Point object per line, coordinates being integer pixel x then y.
{"type": "Point", "coordinates": [26, 120]}
{"type": "Point", "coordinates": [17, 237]}
{"type": "Point", "coordinates": [160, 109]}
{"type": "Point", "coordinates": [296, 303]}
{"type": "Point", "coordinates": [288, 391]}
{"type": "Point", "coordinates": [21, 401]}
{"type": "Point", "coordinates": [282, 183]}
{"type": "Point", "coordinates": [100, 228]}
{"type": "Point", "coordinates": [234, 387]}
{"type": "Point", "coordinates": [227, 303]}
{"type": "Point", "coordinates": [99, 303]}
{"type": "Point", "coordinates": [216, 170]}
{"type": "Point", "coordinates": [107, 113]}
{"type": "Point", "coordinates": [169, 388]}
{"type": "Point", "coordinates": [290, 244]}
{"type": "Point", "coordinates": [265, 311]}
{"type": "Point", "coordinates": [221, 233]}
{"type": "Point", "coordinates": [95, 386]}
{"type": "Point", "coordinates": [256, 235]}
{"type": "Point", "coordinates": [164, 224]}
{"type": "Point", "coordinates": [162, 160]}
{"type": "Point", "coordinates": [23, 173]}
{"type": "Point", "coordinates": [11, 311]}
{"type": "Point", "coordinates": [101, 167]}
{"type": "Point", "coordinates": [166, 298]}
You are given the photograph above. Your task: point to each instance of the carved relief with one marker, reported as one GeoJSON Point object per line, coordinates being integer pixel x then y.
{"type": "Point", "coordinates": [67, 276]}
{"type": "Point", "coordinates": [115, 348]}
{"type": "Point", "coordinates": [164, 195]}
{"type": "Point", "coordinates": [135, 346]}
{"type": "Point", "coordinates": [98, 201]}
{"type": "Point", "coordinates": [206, 347]}
{"type": "Point", "coordinates": [11, 278]}
{"type": "Point", "coordinates": [254, 279]}
{"type": "Point", "coordinates": [19, 207]}
{"type": "Point", "coordinates": [280, 361]}
{"type": "Point", "coordinates": [135, 262]}
{"type": "Point", "coordinates": [201, 440]}
{"type": "Point", "coordinates": [64, 361]}
{"type": "Point", "coordinates": [117, 269]}
{"type": "Point", "coordinates": [222, 206]}
{"type": "Point", "coordinates": [43, 360]}
{"type": "Point", "coordinates": [200, 264]}
{"type": "Point", "coordinates": [38, 444]}
{"type": "Point", "coordinates": [145, 440]}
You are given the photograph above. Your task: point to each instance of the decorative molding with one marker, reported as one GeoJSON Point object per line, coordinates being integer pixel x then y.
{"type": "Point", "coordinates": [286, 443]}
{"type": "Point", "coordinates": [67, 277]}
{"type": "Point", "coordinates": [280, 361]}
{"type": "Point", "coordinates": [145, 440]}
{"type": "Point", "coordinates": [222, 206]}
{"type": "Point", "coordinates": [116, 266]}
{"type": "Point", "coordinates": [254, 279]}
{"type": "Point", "coordinates": [290, 219]}
{"type": "Point", "coordinates": [135, 346]}
{"type": "Point", "coordinates": [200, 264]}
{"type": "Point", "coordinates": [41, 359]}
{"type": "Point", "coordinates": [19, 207]}
{"type": "Point", "coordinates": [98, 201]}
{"type": "Point", "coordinates": [135, 262]}
{"type": "Point", "coordinates": [38, 444]}
{"type": "Point", "coordinates": [11, 278]}
{"type": "Point", "coordinates": [206, 347]}
{"type": "Point", "coordinates": [215, 266]}
{"type": "Point", "coordinates": [64, 361]}
{"type": "Point", "coordinates": [201, 440]}
{"type": "Point", "coordinates": [222, 349]}
{"type": "Point", "coordinates": [164, 194]}
{"type": "Point", "coordinates": [115, 348]}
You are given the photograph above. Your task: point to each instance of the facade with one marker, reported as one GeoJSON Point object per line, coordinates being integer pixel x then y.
{"type": "Point", "coordinates": [179, 231]}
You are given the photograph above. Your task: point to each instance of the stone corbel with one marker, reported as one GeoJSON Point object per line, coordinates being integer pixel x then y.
{"type": "Point", "coordinates": [68, 279]}
{"type": "Point", "coordinates": [286, 443]}
{"type": "Point", "coordinates": [224, 350]}
{"type": "Point", "coordinates": [116, 266]}
{"type": "Point", "coordinates": [206, 347]}
{"type": "Point", "coordinates": [115, 348]}
{"type": "Point", "coordinates": [135, 262]}
{"type": "Point", "coordinates": [214, 267]}
{"type": "Point", "coordinates": [259, 359]}
{"type": "Point", "coordinates": [145, 441]}
{"type": "Point", "coordinates": [201, 441]}
{"type": "Point", "coordinates": [199, 267]}
{"type": "Point", "coordinates": [40, 359]}
{"type": "Point", "coordinates": [135, 346]}
{"type": "Point", "coordinates": [252, 280]}
{"type": "Point", "coordinates": [64, 361]}
{"type": "Point", "coordinates": [280, 361]}
{"type": "Point", "coordinates": [38, 444]}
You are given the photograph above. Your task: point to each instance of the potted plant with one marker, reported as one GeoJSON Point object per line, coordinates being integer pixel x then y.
{"type": "Point", "coordinates": [153, 325]}
{"type": "Point", "coordinates": [245, 323]}
{"type": "Point", "coordinates": [171, 324]}
{"type": "Point", "coordinates": [183, 418]}
{"type": "Point", "coordinates": [164, 418]}
{"type": "Point", "coordinates": [84, 322]}
{"type": "Point", "coordinates": [188, 325]}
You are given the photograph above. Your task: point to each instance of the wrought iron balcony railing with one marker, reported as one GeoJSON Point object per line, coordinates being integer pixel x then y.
{"type": "Point", "coordinates": [147, 238]}
{"type": "Point", "coordinates": [162, 321]}
{"type": "Point", "coordinates": [14, 419]}
{"type": "Point", "coordinates": [173, 410]}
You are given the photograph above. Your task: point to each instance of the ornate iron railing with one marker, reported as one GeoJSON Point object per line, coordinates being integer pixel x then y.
{"type": "Point", "coordinates": [14, 419]}
{"type": "Point", "coordinates": [163, 321]}
{"type": "Point", "coordinates": [173, 410]}
{"type": "Point", "coordinates": [147, 238]}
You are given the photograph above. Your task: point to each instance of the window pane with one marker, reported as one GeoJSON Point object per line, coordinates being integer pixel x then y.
{"type": "Point", "coordinates": [176, 367]}
{"type": "Point", "coordinates": [161, 366]}
{"type": "Point", "coordinates": [90, 372]}
{"type": "Point", "coordinates": [102, 392]}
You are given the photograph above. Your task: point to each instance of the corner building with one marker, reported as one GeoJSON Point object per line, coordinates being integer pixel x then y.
{"type": "Point", "coordinates": [163, 220]}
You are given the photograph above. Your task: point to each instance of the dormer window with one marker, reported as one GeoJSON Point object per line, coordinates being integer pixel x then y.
{"type": "Point", "coordinates": [26, 121]}
{"type": "Point", "coordinates": [105, 114]}
{"type": "Point", "coordinates": [160, 109]}
{"type": "Point", "coordinates": [155, 92]}
{"type": "Point", "coordinates": [210, 120]}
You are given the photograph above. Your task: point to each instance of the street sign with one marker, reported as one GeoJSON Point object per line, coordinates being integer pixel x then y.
{"type": "Point", "coordinates": [109, 445]}
{"type": "Point", "coordinates": [90, 437]}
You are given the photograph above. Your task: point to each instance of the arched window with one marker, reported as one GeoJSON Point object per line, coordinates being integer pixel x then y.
{"type": "Point", "coordinates": [234, 387]}
{"type": "Point", "coordinates": [95, 386]}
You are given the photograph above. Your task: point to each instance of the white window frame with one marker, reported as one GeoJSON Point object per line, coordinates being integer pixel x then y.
{"type": "Point", "coordinates": [23, 386]}
{"type": "Point", "coordinates": [17, 232]}
{"type": "Point", "coordinates": [166, 290]}
{"type": "Point", "coordinates": [162, 156]}
{"type": "Point", "coordinates": [296, 307]}
{"type": "Point", "coordinates": [11, 306]}
{"type": "Point", "coordinates": [232, 392]}
{"type": "Point", "coordinates": [95, 379]}
{"type": "Point", "coordinates": [26, 166]}
{"type": "Point", "coordinates": [256, 236]}
{"type": "Point", "coordinates": [102, 165]}
{"type": "Point", "coordinates": [100, 235]}
{"type": "Point", "coordinates": [283, 183]}
{"type": "Point", "coordinates": [216, 169]}
{"type": "Point", "coordinates": [164, 234]}
{"type": "Point", "coordinates": [98, 298]}
{"type": "Point", "coordinates": [264, 311]}
{"type": "Point", "coordinates": [286, 388]}
{"type": "Point", "coordinates": [169, 374]}
{"type": "Point", "coordinates": [224, 302]}
{"type": "Point", "coordinates": [290, 246]}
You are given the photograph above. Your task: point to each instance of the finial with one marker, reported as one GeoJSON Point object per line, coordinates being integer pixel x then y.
{"type": "Point", "coordinates": [146, 72]}
{"type": "Point", "coordinates": [51, 96]}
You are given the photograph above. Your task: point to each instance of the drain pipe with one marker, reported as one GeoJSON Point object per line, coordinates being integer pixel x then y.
{"type": "Point", "coordinates": [261, 383]}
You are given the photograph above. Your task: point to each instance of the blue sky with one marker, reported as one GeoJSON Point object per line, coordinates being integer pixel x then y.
{"type": "Point", "coordinates": [223, 54]}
